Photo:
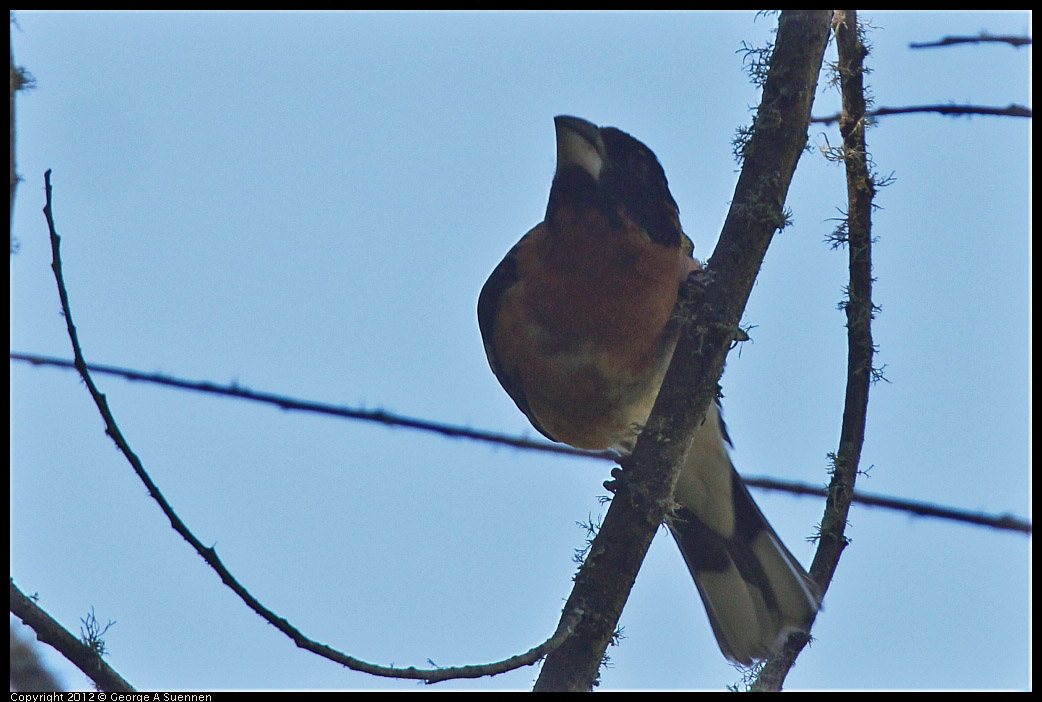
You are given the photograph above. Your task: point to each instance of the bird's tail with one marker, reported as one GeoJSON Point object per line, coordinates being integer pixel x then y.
{"type": "Point", "coordinates": [755, 592]}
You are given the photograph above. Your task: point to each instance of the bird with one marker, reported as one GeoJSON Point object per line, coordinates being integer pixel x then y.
{"type": "Point", "coordinates": [578, 327]}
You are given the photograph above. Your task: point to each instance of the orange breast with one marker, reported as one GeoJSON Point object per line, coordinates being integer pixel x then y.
{"type": "Point", "coordinates": [588, 327]}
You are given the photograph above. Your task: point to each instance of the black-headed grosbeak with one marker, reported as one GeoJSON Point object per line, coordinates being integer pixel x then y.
{"type": "Point", "coordinates": [576, 325]}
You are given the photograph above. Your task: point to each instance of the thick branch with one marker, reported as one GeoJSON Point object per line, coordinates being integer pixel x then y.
{"type": "Point", "coordinates": [644, 497]}
{"type": "Point", "coordinates": [54, 634]}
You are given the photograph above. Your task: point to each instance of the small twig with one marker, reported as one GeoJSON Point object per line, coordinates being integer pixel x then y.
{"type": "Point", "coordinates": [92, 631]}
{"type": "Point", "coordinates": [210, 555]}
{"type": "Point", "coordinates": [1011, 110]}
{"type": "Point", "coordinates": [76, 651]}
{"type": "Point", "coordinates": [1014, 41]}
{"type": "Point", "coordinates": [1006, 522]}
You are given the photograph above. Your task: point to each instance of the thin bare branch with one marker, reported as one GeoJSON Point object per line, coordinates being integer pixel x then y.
{"type": "Point", "coordinates": [1011, 110]}
{"type": "Point", "coordinates": [982, 38]}
{"type": "Point", "coordinates": [1004, 521]}
{"type": "Point", "coordinates": [293, 403]}
{"type": "Point", "coordinates": [564, 629]}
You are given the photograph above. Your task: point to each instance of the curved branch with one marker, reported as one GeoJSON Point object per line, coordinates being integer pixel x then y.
{"type": "Point", "coordinates": [209, 555]}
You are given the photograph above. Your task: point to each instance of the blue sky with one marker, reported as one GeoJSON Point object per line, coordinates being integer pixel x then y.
{"type": "Point", "coordinates": [308, 204]}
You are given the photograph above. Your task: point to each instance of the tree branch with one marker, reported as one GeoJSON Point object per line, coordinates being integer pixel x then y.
{"type": "Point", "coordinates": [717, 299]}
{"type": "Point", "coordinates": [54, 634]}
{"type": "Point", "coordinates": [983, 37]}
{"type": "Point", "coordinates": [1011, 110]}
{"type": "Point", "coordinates": [294, 403]}
{"type": "Point", "coordinates": [28, 672]}
{"type": "Point", "coordinates": [1005, 522]}
{"type": "Point", "coordinates": [860, 311]}
{"type": "Point", "coordinates": [564, 629]}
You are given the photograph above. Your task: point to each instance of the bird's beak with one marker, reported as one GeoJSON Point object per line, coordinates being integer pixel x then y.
{"type": "Point", "coordinates": [579, 143]}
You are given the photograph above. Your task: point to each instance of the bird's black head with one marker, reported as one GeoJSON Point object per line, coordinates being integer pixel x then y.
{"type": "Point", "coordinates": [607, 169]}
